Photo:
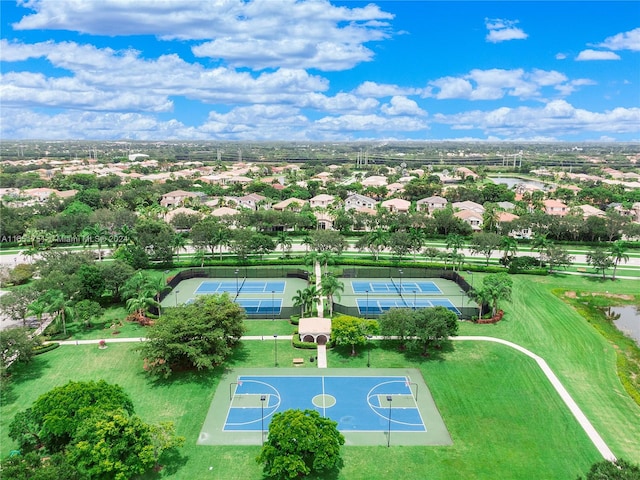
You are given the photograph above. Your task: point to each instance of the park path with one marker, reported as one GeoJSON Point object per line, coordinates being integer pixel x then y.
{"type": "Point", "coordinates": [582, 419]}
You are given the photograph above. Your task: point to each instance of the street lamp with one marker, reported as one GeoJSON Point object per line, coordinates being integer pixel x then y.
{"type": "Point", "coordinates": [389, 430]}
{"type": "Point", "coordinates": [366, 313]}
{"type": "Point", "coordinates": [414, 299]}
{"type": "Point", "coordinates": [368, 351]}
{"type": "Point", "coordinates": [177, 292]}
{"type": "Point", "coordinates": [275, 344]}
{"type": "Point", "coordinates": [273, 310]}
{"type": "Point", "coordinates": [262, 399]}
{"type": "Point", "coordinates": [400, 272]}
{"type": "Point", "coordinates": [237, 288]}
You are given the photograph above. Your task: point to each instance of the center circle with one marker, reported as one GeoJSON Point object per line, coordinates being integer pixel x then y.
{"type": "Point", "coordinates": [323, 400]}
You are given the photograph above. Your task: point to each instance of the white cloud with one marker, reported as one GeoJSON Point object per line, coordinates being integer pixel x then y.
{"type": "Point", "coordinates": [402, 106]}
{"type": "Point", "coordinates": [378, 90]}
{"type": "Point", "coordinates": [623, 41]}
{"type": "Point", "coordinates": [250, 34]}
{"type": "Point", "coordinates": [494, 84]}
{"type": "Point", "coordinates": [561, 56]}
{"type": "Point", "coordinates": [556, 119]}
{"type": "Point", "coordinates": [107, 73]}
{"type": "Point", "coordinates": [503, 30]}
{"type": "Point", "coordinates": [369, 123]}
{"type": "Point", "coordinates": [589, 54]}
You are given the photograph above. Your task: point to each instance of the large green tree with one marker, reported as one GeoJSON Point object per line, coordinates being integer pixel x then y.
{"type": "Point", "coordinates": [485, 244]}
{"type": "Point", "coordinates": [52, 420]}
{"type": "Point", "coordinates": [618, 470]}
{"type": "Point", "coordinates": [198, 336]}
{"type": "Point", "coordinates": [618, 252]}
{"type": "Point", "coordinates": [433, 326]}
{"type": "Point", "coordinates": [15, 346]}
{"type": "Point", "coordinates": [301, 443]}
{"type": "Point", "coordinates": [352, 331]}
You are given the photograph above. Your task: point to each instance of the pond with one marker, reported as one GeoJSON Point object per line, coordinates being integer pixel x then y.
{"type": "Point", "coordinates": [627, 319]}
{"type": "Point", "coordinates": [513, 181]}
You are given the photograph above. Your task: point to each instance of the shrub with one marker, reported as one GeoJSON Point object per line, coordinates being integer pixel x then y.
{"type": "Point", "coordinates": [297, 343]}
{"type": "Point", "coordinates": [40, 349]}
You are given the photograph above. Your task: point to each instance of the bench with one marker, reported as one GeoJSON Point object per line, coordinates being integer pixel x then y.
{"type": "Point", "coordinates": [582, 269]}
{"type": "Point", "coordinates": [298, 361]}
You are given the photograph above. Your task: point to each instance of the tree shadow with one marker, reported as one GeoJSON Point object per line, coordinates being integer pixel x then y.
{"type": "Point", "coordinates": [20, 373]}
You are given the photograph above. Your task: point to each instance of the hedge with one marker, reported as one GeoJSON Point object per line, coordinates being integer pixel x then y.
{"type": "Point", "coordinates": [297, 343]}
{"type": "Point", "coordinates": [40, 349]}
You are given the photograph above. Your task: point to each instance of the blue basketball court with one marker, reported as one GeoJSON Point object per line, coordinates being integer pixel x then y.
{"type": "Point", "coordinates": [357, 403]}
{"type": "Point", "coordinates": [376, 306]}
{"type": "Point", "coordinates": [394, 287]}
{"type": "Point", "coordinates": [240, 286]}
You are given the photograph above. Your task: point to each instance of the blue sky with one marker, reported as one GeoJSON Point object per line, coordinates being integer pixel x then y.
{"type": "Point", "coordinates": [320, 71]}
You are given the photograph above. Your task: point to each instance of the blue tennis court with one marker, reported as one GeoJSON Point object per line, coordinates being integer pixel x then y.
{"type": "Point", "coordinates": [255, 306]}
{"type": "Point", "coordinates": [241, 285]}
{"type": "Point", "coordinates": [394, 287]}
{"type": "Point", "coordinates": [376, 306]}
{"type": "Point", "coordinates": [260, 306]}
{"type": "Point", "coordinates": [357, 403]}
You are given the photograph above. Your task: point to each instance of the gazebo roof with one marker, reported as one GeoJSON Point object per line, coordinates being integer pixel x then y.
{"type": "Point", "coordinates": [314, 325]}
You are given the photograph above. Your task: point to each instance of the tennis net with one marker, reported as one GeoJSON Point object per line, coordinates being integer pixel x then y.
{"type": "Point", "coordinates": [399, 290]}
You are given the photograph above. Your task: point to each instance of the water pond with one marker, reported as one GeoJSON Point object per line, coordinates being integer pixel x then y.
{"type": "Point", "coordinates": [513, 181]}
{"type": "Point", "coordinates": [627, 319]}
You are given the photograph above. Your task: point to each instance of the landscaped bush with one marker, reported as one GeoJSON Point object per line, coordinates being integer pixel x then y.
{"type": "Point", "coordinates": [294, 319]}
{"type": "Point", "coordinates": [40, 349]}
{"type": "Point", "coordinates": [297, 343]}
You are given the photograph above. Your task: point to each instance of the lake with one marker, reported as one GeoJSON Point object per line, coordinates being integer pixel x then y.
{"type": "Point", "coordinates": [513, 181]}
{"type": "Point", "coordinates": [628, 321]}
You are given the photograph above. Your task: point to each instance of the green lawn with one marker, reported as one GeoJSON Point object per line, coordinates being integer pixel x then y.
{"type": "Point", "coordinates": [505, 419]}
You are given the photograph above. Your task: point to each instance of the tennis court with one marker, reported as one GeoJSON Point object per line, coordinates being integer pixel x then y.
{"type": "Point", "coordinates": [370, 404]}
{"type": "Point", "coordinates": [241, 285]}
{"type": "Point", "coordinates": [374, 306]}
{"type": "Point", "coordinates": [404, 287]}
{"type": "Point", "coordinates": [260, 297]}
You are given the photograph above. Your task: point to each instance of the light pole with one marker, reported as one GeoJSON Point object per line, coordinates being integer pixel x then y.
{"type": "Point", "coordinates": [400, 272]}
{"type": "Point", "coordinates": [262, 399]}
{"type": "Point", "coordinates": [237, 288]}
{"type": "Point", "coordinates": [275, 345]}
{"type": "Point", "coordinates": [177, 292]}
{"type": "Point", "coordinates": [366, 313]}
{"type": "Point", "coordinates": [389, 430]}
{"type": "Point", "coordinates": [273, 310]}
{"type": "Point", "coordinates": [414, 299]}
{"type": "Point", "coordinates": [368, 351]}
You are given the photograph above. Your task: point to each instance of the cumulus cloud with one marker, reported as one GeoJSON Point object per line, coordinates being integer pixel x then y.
{"type": "Point", "coordinates": [589, 54]}
{"type": "Point", "coordinates": [503, 30]}
{"type": "Point", "coordinates": [107, 73]}
{"type": "Point", "coordinates": [379, 90]}
{"type": "Point", "coordinates": [496, 83]}
{"type": "Point", "coordinates": [369, 123]}
{"type": "Point", "coordinates": [248, 34]}
{"type": "Point", "coordinates": [402, 106]}
{"type": "Point", "coordinates": [557, 118]}
{"type": "Point", "coordinates": [561, 56]}
{"type": "Point", "coordinates": [623, 41]}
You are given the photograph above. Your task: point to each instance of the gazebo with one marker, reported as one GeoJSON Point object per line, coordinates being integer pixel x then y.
{"type": "Point", "coordinates": [315, 329]}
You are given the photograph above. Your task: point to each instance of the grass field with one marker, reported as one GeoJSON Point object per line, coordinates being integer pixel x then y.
{"type": "Point", "coordinates": [506, 421]}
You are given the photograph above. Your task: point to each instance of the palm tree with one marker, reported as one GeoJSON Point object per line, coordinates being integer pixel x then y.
{"type": "Point", "coordinates": [141, 302]}
{"type": "Point", "coordinates": [179, 242]}
{"type": "Point", "coordinates": [540, 243]}
{"type": "Point", "coordinates": [331, 287]}
{"type": "Point", "coordinates": [416, 238]}
{"type": "Point", "coordinates": [375, 241]}
{"type": "Point", "coordinates": [96, 234]}
{"type": "Point", "coordinates": [311, 296]}
{"type": "Point", "coordinates": [618, 252]}
{"type": "Point", "coordinates": [481, 295]}
{"type": "Point", "coordinates": [124, 235]}
{"type": "Point", "coordinates": [58, 305]}
{"type": "Point", "coordinates": [510, 247]}
{"type": "Point", "coordinates": [298, 301]}
{"type": "Point", "coordinates": [38, 308]}
{"type": "Point", "coordinates": [156, 285]}
{"type": "Point", "coordinates": [284, 240]}
{"type": "Point", "coordinates": [221, 238]}
{"type": "Point", "coordinates": [325, 258]}
{"type": "Point", "coordinates": [454, 241]}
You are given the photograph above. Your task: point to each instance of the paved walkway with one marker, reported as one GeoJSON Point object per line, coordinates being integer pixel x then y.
{"type": "Point", "coordinates": [584, 422]}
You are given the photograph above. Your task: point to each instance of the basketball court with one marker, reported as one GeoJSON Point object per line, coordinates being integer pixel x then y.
{"type": "Point", "coordinates": [371, 407]}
